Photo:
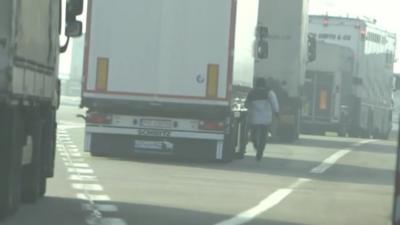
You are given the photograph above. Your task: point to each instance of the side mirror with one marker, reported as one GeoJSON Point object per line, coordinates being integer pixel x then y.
{"type": "Point", "coordinates": [312, 47]}
{"type": "Point", "coordinates": [261, 47]}
{"type": "Point", "coordinates": [73, 29]}
{"type": "Point", "coordinates": [74, 7]}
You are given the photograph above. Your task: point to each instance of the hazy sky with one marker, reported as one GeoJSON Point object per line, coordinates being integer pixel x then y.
{"type": "Point", "coordinates": [386, 12]}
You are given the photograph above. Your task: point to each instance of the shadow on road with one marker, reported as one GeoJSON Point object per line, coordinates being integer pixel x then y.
{"type": "Point", "coordinates": [342, 143]}
{"type": "Point", "coordinates": [64, 211]}
{"type": "Point", "coordinates": [288, 168]}
{"type": "Point", "coordinates": [49, 211]}
{"type": "Point", "coordinates": [291, 167]}
{"type": "Point", "coordinates": [159, 215]}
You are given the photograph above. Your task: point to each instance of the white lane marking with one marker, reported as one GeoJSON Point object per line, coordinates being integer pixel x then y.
{"type": "Point", "coordinates": [80, 171]}
{"type": "Point", "coordinates": [64, 137]}
{"type": "Point", "coordinates": [62, 153]}
{"type": "Point", "coordinates": [86, 178]}
{"type": "Point", "coordinates": [331, 160]}
{"type": "Point", "coordinates": [75, 154]}
{"type": "Point", "coordinates": [87, 187]}
{"type": "Point", "coordinates": [363, 142]}
{"type": "Point", "coordinates": [299, 182]}
{"type": "Point", "coordinates": [100, 207]}
{"type": "Point", "coordinates": [77, 160]}
{"type": "Point", "coordinates": [79, 168]}
{"type": "Point", "coordinates": [79, 165]}
{"type": "Point", "coordinates": [112, 221]}
{"type": "Point", "coordinates": [265, 205]}
{"type": "Point", "coordinates": [68, 127]}
{"type": "Point", "coordinates": [92, 197]}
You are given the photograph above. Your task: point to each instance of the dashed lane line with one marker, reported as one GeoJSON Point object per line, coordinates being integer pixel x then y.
{"type": "Point", "coordinates": [86, 184]}
{"type": "Point", "coordinates": [88, 187]}
{"type": "Point", "coordinates": [93, 197]}
{"type": "Point", "coordinates": [279, 195]}
{"type": "Point", "coordinates": [265, 205]}
{"type": "Point", "coordinates": [331, 160]}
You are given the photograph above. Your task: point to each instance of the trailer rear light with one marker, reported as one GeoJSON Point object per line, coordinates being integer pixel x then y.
{"type": "Point", "coordinates": [211, 125]}
{"type": "Point", "coordinates": [102, 74]}
{"type": "Point", "coordinates": [98, 118]}
{"type": "Point", "coordinates": [323, 99]}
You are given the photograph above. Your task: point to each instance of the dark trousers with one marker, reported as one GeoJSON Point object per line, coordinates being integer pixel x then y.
{"type": "Point", "coordinates": [259, 135]}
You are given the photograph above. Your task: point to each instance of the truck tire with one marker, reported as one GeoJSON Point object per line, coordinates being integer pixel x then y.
{"type": "Point", "coordinates": [341, 130]}
{"type": "Point", "coordinates": [10, 161]}
{"type": "Point", "coordinates": [341, 133]}
{"type": "Point", "coordinates": [32, 175]}
{"type": "Point", "coordinates": [228, 149]}
{"type": "Point", "coordinates": [48, 147]}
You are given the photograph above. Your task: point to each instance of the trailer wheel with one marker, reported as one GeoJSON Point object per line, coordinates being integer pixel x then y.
{"type": "Point", "coordinates": [48, 148]}
{"type": "Point", "coordinates": [32, 176]}
{"type": "Point", "coordinates": [228, 149]}
{"type": "Point", "coordinates": [10, 161]}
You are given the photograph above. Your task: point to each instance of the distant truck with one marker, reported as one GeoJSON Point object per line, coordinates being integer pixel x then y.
{"type": "Point", "coordinates": [158, 79]}
{"type": "Point", "coordinates": [29, 95]}
{"type": "Point", "coordinates": [323, 107]}
{"type": "Point", "coordinates": [284, 25]}
{"type": "Point", "coordinates": [366, 93]}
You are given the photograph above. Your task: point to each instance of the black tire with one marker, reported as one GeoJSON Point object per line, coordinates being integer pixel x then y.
{"type": "Point", "coordinates": [228, 149]}
{"type": "Point", "coordinates": [341, 134]}
{"type": "Point", "coordinates": [341, 130]}
{"type": "Point", "coordinates": [48, 148]}
{"type": "Point", "coordinates": [384, 136]}
{"type": "Point", "coordinates": [366, 134]}
{"type": "Point", "coordinates": [355, 132]}
{"type": "Point", "coordinates": [10, 161]}
{"type": "Point", "coordinates": [43, 186]}
{"type": "Point", "coordinates": [32, 176]}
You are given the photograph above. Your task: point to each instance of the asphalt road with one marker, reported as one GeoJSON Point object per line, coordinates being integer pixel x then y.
{"type": "Point", "coordinates": [316, 181]}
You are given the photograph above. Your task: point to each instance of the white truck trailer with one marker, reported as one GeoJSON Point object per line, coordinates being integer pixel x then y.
{"type": "Point", "coordinates": [367, 94]}
{"type": "Point", "coordinates": [158, 78]}
{"type": "Point", "coordinates": [322, 109]}
{"type": "Point", "coordinates": [29, 93]}
{"type": "Point", "coordinates": [284, 68]}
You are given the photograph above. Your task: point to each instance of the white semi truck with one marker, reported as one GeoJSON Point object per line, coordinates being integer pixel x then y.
{"type": "Point", "coordinates": [366, 92]}
{"type": "Point", "coordinates": [158, 78]}
{"type": "Point", "coordinates": [29, 94]}
{"type": "Point", "coordinates": [285, 23]}
{"type": "Point", "coordinates": [323, 97]}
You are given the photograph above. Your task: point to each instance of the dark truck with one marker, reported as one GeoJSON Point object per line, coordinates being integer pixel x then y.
{"type": "Point", "coordinates": [29, 94]}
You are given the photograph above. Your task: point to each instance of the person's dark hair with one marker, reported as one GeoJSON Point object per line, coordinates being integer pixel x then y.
{"type": "Point", "coordinates": [260, 82]}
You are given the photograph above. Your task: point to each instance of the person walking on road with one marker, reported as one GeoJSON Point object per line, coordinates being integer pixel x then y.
{"type": "Point", "coordinates": [261, 104]}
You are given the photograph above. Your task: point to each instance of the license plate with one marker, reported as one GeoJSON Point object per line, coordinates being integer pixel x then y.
{"type": "Point", "coordinates": [153, 146]}
{"type": "Point", "coordinates": [149, 123]}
